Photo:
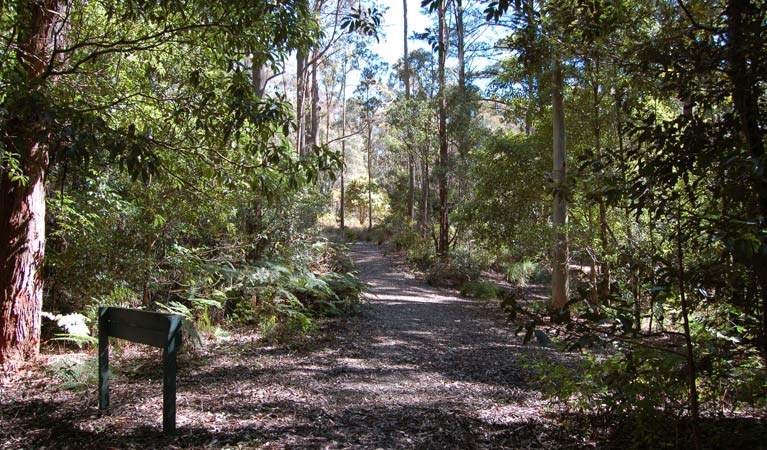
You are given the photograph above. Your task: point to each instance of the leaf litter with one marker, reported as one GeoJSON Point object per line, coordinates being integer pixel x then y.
{"type": "Point", "coordinates": [418, 367]}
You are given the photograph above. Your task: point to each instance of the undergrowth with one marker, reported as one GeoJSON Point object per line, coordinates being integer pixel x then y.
{"type": "Point", "coordinates": [283, 296]}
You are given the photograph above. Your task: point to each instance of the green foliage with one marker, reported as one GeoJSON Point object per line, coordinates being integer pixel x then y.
{"type": "Point", "coordinates": [357, 199]}
{"type": "Point", "coordinates": [169, 169]}
{"type": "Point", "coordinates": [481, 290]}
{"type": "Point", "coordinates": [422, 254]}
{"type": "Point", "coordinates": [523, 272]}
{"type": "Point", "coordinates": [402, 237]}
{"type": "Point", "coordinates": [506, 205]}
{"type": "Point", "coordinates": [365, 21]}
{"type": "Point", "coordinates": [192, 315]}
{"type": "Point", "coordinates": [10, 167]}
{"type": "Point", "coordinates": [75, 373]}
{"type": "Point", "coordinates": [643, 386]}
{"type": "Point", "coordinates": [347, 290]}
{"type": "Point", "coordinates": [284, 295]}
{"type": "Point", "coordinates": [460, 268]}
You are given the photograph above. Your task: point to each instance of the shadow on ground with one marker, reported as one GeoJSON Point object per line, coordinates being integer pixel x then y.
{"type": "Point", "coordinates": [418, 368]}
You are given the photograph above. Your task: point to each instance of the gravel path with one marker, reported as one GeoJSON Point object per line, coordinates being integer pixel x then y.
{"type": "Point", "coordinates": [429, 368]}
{"type": "Point", "coordinates": [419, 368]}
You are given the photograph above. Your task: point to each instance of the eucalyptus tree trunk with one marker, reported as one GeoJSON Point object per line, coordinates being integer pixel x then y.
{"type": "Point", "coordinates": [425, 188]}
{"type": "Point", "coordinates": [314, 114]}
{"type": "Point", "coordinates": [370, 172]}
{"type": "Point", "coordinates": [343, 143]}
{"type": "Point", "coordinates": [22, 221]}
{"type": "Point", "coordinates": [603, 286]}
{"type": "Point", "coordinates": [301, 60]}
{"type": "Point", "coordinates": [459, 31]}
{"type": "Point", "coordinates": [559, 251]}
{"type": "Point", "coordinates": [443, 242]}
{"type": "Point", "coordinates": [409, 135]}
{"type": "Point", "coordinates": [260, 76]}
{"type": "Point", "coordinates": [425, 194]}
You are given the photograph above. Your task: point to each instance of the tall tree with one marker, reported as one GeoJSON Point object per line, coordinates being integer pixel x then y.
{"type": "Point", "coordinates": [408, 134]}
{"type": "Point", "coordinates": [344, 74]}
{"type": "Point", "coordinates": [370, 101]}
{"type": "Point", "coordinates": [22, 200]}
{"type": "Point", "coordinates": [44, 122]}
{"type": "Point", "coordinates": [559, 250]}
{"type": "Point", "coordinates": [442, 42]}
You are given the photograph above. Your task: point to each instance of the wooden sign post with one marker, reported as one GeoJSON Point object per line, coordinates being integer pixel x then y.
{"type": "Point", "coordinates": [150, 328]}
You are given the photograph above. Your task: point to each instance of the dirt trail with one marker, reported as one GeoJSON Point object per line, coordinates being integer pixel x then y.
{"type": "Point", "coordinates": [418, 368]}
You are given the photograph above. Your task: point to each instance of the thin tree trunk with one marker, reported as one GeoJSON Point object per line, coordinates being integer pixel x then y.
{"type": "Point", "coordinates": [343, 143]}
{"type": "Point", "coordinates": [260, 77]}
{"type": "Point", "coordinates": [424, 193]}
{"type": "Point", "coordinates": [559, 281]}
{"type": "Point", "coordinates": [370, 173]}
{"type": "Point", "coordinates": [531, 77]}
{"type": "Point", "coordinates": [604, 282]}
{"type": "Point", "coordinates": [530, 104]}
{"type": "Point", "coordinates": [442, 246]}
{"type": "Point", "coordinates": [459, 30]}
{"type": "Point", "coordinates": [22, 222]}
{"type": "Point", "coordinates": [300, 98]}
{"type": "Point", "coordinates": [593, 261]}
{"type": "Point", "coordinates": [409, 136]}
{"type": "Point", "coordinates": [314, 134]}
{"type": "Point", "coordinates": [691, 371]}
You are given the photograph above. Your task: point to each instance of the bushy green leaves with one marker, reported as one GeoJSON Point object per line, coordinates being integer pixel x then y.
{"type": "Point", "coordinates": [363, 20]}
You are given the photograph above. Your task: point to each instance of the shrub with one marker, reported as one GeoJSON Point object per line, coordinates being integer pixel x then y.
{"type": "Point", "coordinates": [522, 273]}
{"type": "Point", "coordinates": [278, 294]}
{"type": "Point", "coordinates": [481, 290]}
{"type": "Point", "coordinates": [445, 273]}
{"type": "Point", "coordinates": [421, 254]}
{"type": "Point", "coordinates": [404, 238]}
{"type": "Point", "coordinates": [74, 372]}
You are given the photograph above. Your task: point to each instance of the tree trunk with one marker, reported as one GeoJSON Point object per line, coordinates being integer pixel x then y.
{"type": "Point", "coordinates": [22, 223]}
{"type": "Point", "coordinates": [300, 99]}
{"type": "Point", "coordinates": [605, 281]}
{"type": "Point", "coordinates": [22, 246]}
{"type": "Point", "coordinates": [343, 143]}
{"type": "Point", "coordinates": [370, 173]}
{"type": "Point", "coordinates": [314, 114]}
{"type": "Point", "coordinates": [530, 103]}
{"type": "Point", "coordinates": [260, 77]}
{"type": "Point", "coordinates": [425, 193]}
{"type": "Point", "coordinates": [459, 30]}
{"type": "Point", "coordinates": [744, 49]}
{"type": "Point", "coordinates": [559, 251]}
{"type": "Point", "coordinates": [442, 246]}
{"type": "Point", "coordinates": [691, 371]}
{"type": "Point", "coordinates": [408, 136]}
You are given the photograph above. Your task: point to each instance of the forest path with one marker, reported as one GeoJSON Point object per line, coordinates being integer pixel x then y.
{"type": "Point", "coordinates": [424, 367]}
{"type": "Point", "coordinates": [419, 367]}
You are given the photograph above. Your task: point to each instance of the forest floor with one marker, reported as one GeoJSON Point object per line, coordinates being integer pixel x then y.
{"type": "Point", "coordinates": [418, 367]}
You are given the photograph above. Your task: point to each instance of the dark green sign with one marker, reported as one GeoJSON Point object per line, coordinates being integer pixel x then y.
{"type": "Point", "coordinates": [150, 328]}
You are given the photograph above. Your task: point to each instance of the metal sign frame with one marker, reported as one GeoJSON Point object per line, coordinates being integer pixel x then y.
{"type": "Point", "coordinates": [150, 328]}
